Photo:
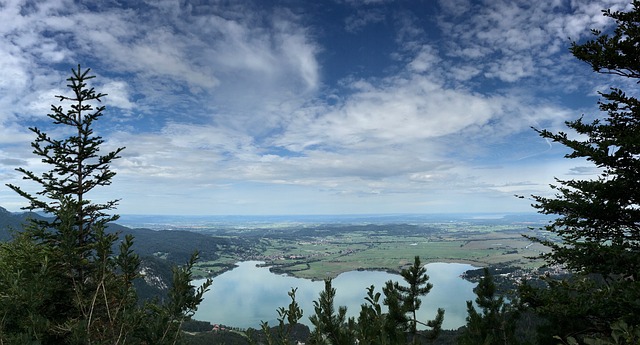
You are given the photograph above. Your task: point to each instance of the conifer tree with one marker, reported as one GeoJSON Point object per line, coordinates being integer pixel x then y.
{"type": "Point", "coordinates": [599, 219]}
{"type": "Point", "coordinates": [89, 297]}
{"type": "Point", "coordinates": [418, 280]}
{"type": "Point", "coordinates": [597, 232]}
{"type": "Point", "coordinates": [370, 328]}
{"type": "Point", "coordinates": [330, 327]}
{"type": "Point", "coordinates": [287, 319]}
{"type": "Point", "coordinates": [81, 249]}
{"type": "Point", "coordinates": [396, 322]}
{"type": "Point", "coordinates": [76, 166]}
{"type": "Point", "coordinates": [495, 325]}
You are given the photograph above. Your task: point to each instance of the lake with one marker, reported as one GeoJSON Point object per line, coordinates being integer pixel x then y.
{"type": "Point", "coordinates": [249, 294]}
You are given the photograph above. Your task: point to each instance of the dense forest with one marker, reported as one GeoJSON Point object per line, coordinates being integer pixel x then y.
{"type": "Point", "coordinates": [74, 278]}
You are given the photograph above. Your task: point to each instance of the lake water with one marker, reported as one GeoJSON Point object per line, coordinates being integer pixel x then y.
{"type": "Point", "coordinates": [249, 294]}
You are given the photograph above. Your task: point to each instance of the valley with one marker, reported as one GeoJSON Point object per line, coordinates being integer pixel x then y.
{"type": "Point", "coordinates": [320, 247]}
{"type": "Point", "coordinates": [324, 250]}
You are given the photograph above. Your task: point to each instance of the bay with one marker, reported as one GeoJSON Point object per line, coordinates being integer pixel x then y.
{"type": "Point", "coordinates": [248, 294]}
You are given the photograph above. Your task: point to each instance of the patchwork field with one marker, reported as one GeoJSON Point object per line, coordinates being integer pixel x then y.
{"type": "Point", "coordinates": [325, 251]}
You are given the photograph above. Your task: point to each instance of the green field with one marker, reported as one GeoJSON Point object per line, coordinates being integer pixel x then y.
{"type": "Point", "coordinates": [327, 252]}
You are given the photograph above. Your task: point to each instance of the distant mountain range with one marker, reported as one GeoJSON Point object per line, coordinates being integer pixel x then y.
{"type": "Point", "coordinates": [10, 222]}
{"type": "Point", "coordinates": [176, 245]}
{"type": "Point", "coordinates": [210, 222]}
{"type": "Point", "coordinates": [159, 250]}
{"type": "Point", "coordinates": [173, 245]}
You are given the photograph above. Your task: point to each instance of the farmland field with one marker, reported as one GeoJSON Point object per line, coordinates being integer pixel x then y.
{"type": "Point", "coordinates": [326, 250]}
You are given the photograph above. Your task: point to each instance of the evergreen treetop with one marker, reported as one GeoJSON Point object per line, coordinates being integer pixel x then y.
{"type": "Point", "coordinates": [599, 219]}
{"type": "Point", "coordinates": [596, 234]}
{"type": "Point", "coordinates": [76, 166]}
{"type": "Point", "coordinates": [88, 297]}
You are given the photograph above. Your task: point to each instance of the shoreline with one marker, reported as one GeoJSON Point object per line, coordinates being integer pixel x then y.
{"type": "Point", "coordinates": [281, 269]}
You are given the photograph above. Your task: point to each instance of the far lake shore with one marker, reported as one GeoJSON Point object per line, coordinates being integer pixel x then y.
{"type": "Point", "coordinates": [249, 294]}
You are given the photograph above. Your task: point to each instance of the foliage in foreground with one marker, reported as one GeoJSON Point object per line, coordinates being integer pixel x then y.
{"type": "Point", "coordinates": [397, 326]}
{"type": "Point", "coordinates": [60, 280]}
{"type": "Point", "coordinates": [496, 324]}
{"type": "Point", "coordinates": [598, 224]}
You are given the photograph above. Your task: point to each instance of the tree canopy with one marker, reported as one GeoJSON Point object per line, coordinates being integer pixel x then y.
{"type": "Point", "coordinates": [599, 219]}
{"type": "Point", "coordinates": [60, 280]}
{"type": "Point", "coordinates": [596, 234]}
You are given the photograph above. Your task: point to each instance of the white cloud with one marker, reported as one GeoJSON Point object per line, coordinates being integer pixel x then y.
{"type": "Point", "coordinates": [516, 40]}
{"type": "Point", "coordinates": [454, 7]}
{"type": "Point", "coordinates": [400, 111]}
{"type": "Point", "coordinates": [13, 134]}
{"type": "Point", "coordinates": [222, 103]}
{"type": "Point", "coordinates": [231, 60]}
{"type": "Point", "coordinates": [511, 70]}
{"type": "Point", "coordinates": [362, 18]}
{"type": "Point", "coordinates": [197, 51]}
{"type": "Point", "coordinates": [464, 73]}
{"type": "Point", "coordinates": [426, 60]}
{"type": "Point", "coordinates": [300, 53]}
{"type": "Point", "coordinates": [117, 94]}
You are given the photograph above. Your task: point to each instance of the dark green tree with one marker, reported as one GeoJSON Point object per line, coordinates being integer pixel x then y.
{"type": "Point", "coordinates": [599, 219]}
{"type": "Point", "coordinates": [373, 326]}
{"type": "Point", "coordinates": [76, 169]}
{"type": "Point", "coordinates": [377, 328]}
{"type": "Point", "coordinates": [87, 295]}
{"type": "Point", "coordinates": [402, 302]}
{"type": "Point", "coordinates": [496, 323]}
{"type": "Point", "coordinates": [330, 327]}
{"type": "Point", "coordinates": [81, 250]}
{"type": "Point", "coordinates": [287, 319]}
{"type": "Point", "coordinates": [28, 291]}
{"type": "Point", "coordinates": [597, 231]}
{"type": "Point", "coordinates": [161, 322]}
{"type": "Point", "coordinates": [371, 320]}
{"type": "Point", "coordinates": [418, 285]}
{"type": "Point", "coordinates": [396, 322]}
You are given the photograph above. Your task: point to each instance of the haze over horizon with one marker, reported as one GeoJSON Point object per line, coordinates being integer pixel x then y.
{"type": "Point", "coordinates": [297, 107]}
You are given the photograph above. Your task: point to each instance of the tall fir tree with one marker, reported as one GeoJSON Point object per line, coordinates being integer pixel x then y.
{"type": "Point", "coordinates": [397, 326]}
{"type": "Point", "coordinates": [89, 297]}
{"type": "Point", "coordinates": [599, 219]}
{"type": "Point", "coordinates": [418, 285]}
{"type": "Point", "coordinates": [287, 320]}
{"type": "Point", "coordinates": [597, 232]}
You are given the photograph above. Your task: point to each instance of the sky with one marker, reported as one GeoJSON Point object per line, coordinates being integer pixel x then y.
{"type": "Point", "coordinates": [308, 107]}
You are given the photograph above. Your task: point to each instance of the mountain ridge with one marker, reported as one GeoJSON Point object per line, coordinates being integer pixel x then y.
{"type": "Point", "coordinates": [159, 250]}
{"type": "Point", "coordinates": [175, 245]}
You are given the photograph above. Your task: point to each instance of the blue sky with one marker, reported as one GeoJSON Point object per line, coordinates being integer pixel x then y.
{"type": "Point", "coordinates": [308, 107]}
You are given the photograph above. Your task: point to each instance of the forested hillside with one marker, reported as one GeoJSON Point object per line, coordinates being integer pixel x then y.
{"type": "Point", "coordinates": [158, 250]}
{"type": "Point", "coordinates": [11, 222]}
{"type": "Point", "coordinates": [175, 246]}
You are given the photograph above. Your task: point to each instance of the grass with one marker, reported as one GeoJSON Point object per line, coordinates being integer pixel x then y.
{"type": "Point", "coordinates": [328, 256]}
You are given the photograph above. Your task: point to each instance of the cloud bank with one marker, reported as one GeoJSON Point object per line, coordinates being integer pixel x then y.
{"type": "Point", "coordinates": [344, 107]}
